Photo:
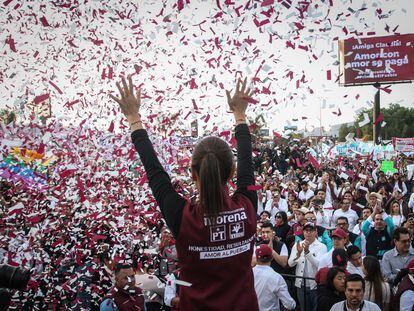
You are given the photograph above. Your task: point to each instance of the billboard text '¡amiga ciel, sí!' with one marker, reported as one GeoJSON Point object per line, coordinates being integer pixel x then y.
{"type": "Point", "coordinates": [376, 59]}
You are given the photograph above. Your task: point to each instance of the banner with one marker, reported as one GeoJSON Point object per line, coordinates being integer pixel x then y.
{"type": "Point", "coordinates": [363, 148]}
{"type": "Point", "coordinates": [405, 145]}
{"type": "Point", "coordinates": [28, 167]}
{"type": "Point", "coordinates": [376, 59]}
{"type": "Point", "coordinates": [388, 167]}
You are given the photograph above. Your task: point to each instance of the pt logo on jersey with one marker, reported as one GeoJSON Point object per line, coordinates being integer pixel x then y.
{"type": "Point", "coordinates": [236, 230]}
{"type": "Point", "coordinates": [218, 233]}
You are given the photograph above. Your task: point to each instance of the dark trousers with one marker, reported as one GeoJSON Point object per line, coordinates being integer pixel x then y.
{"type": "Point", "coordinates": [311, 299]}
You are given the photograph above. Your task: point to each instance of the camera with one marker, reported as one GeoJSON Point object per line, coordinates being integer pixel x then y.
{"type": "Point", "coordinates": [13, 277]}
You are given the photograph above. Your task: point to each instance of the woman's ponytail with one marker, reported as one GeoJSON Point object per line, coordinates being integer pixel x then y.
{"type": "Point", "coordinates": [211, 185]}
{"type": "Point", "coordinates": [212, 162]}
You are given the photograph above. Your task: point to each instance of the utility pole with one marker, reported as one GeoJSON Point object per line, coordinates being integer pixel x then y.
{"type": "Point", "coordinates": [320, 119]}
{"type": "Point", "coordinates": [376, 127]}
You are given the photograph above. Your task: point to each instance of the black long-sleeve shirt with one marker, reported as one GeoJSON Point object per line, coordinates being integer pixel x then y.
{"type": "Point", "coordinates": [169, 201]}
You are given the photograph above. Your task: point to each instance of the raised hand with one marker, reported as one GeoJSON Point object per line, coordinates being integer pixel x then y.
{"type": "Point", "coordinates": [239, 101]}
{"type": "Point", "coordinates": [129, 103]}
{"type": "Point", "coordinates": [299, 248]}
{"type": "Point", "coordinates": [306, 246]}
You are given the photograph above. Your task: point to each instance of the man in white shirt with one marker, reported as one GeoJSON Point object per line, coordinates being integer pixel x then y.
{"type": "Point", "coordinates": [305, 256]}
{"type": "Point", "coordinates": [277, 202]}
{"type": "Point", "coordinates": [411, 203]}
{"type": "Point", "coordinates": [366, 212]}
{"type": "Point", "coordinates": [331, 190]}
{"type": "Point", "coordinates": [279, 250]}
{"type": "Point", "coordinates": [270, 286]}
{"type": "Point", "coordinates": [354, 261]}
{"type": "Point", "coordinates": [339, 238]}
{"type": "Point", "coordinates": [354, 292]}
{"type": "Point", "coordinates": [272, 205]}
{"type": "Point", "coordinates": [171, 298]}
{"type": "Point", "coordinates": [322, 209]}
{"type": "Point", "coordinates": [345, 211]}
{"type": "Point", "coordinates": [305, 194]}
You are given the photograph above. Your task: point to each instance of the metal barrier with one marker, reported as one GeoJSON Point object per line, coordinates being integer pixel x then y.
{"type": "Point", "coordinates": [293, 276]}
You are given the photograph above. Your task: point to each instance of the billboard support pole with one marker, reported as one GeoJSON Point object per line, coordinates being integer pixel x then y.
{"type": "Point", "coordinates": [376, 128]}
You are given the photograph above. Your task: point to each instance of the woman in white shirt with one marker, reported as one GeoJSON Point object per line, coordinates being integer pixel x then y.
{"type": "Point", "coordinates": [395, 213]}
{"type": "Point", "coordinates": [376, 289]}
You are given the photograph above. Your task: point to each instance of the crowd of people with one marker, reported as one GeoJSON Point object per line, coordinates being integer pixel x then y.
{"type": "Point", "coordinates": [329, 230]}
{"type": "Point", "coordinates": [344, 217]}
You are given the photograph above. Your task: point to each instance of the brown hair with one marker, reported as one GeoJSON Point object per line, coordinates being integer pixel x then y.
{"type": "Point", "coordinates": [374, 275]}
{"type": "Point", "coordinates": [391, 210]}
{"type": "Point", "coordinates": [212, 160]}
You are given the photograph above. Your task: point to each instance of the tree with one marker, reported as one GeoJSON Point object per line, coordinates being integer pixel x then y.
{"type": "Point", "coordinates": [397, 124]}
{"type": "Point", "coordinates": [343, 131]}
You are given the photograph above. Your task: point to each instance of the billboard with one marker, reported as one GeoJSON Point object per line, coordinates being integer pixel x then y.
{"type": "Point", "coordinates": [377, 59]}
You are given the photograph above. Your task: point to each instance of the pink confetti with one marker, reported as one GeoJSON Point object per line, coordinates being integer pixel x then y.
{"type": "Point", "coordinates": [299, 26]}
{"type": "Point", "coordinates": [290, 45]}
{"type": "Point", "coordinates": [251, 100]}
{"type": "Point", "coordinates": [41, 98]}
{"type": "Point", "coordinates": [267, 2]}
{"type": "Point", "coordinates": [41, 149]}
{"type": "Point", "coordinates": [194, 104]}
{"type": "Point", "coordinates": [262, 23]}
{"type": "Point", "coordinates": [70, 104]}
{"type": "Point", "coordinates": [287, 3]}
{"type": "Point", "coordinates": [56, 87]}
{"type": "Point", "coordinates": [254, 187]}
{"type": "Point", "coordinates": [66, 173]}
{"type": "Point", "coordinates": [72, 44]}
{"type": "Point", "coordinates": [193, 84]}
{"type": "Point", "coordinates": [187, 115]}
{"type": "Point", "coordinates": [11, 43]}
{"type": "Point", "coordinates": [44, 22]}
{"type": "Point", "coordinates": [180, 5]}
{"type": "Point", "coordinates": [328, 75]}
{"type": "Point", "coordinates": [111, 127]}
{"type": "Point", "coordinates": [386, 89]}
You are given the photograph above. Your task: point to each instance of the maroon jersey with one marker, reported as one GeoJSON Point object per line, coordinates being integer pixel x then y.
{"type": "Point", "coordinates": [126, 301]}
{"type": "Point", "coordinates": [215, 257]}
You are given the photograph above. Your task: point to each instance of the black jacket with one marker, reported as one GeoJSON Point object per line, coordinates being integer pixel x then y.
{"type": "Point", "coordinates": [282, 232]}
{"type": "Point", "coordinates": [327, 298]}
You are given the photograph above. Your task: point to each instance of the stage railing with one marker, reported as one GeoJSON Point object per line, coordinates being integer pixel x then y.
{"type": "Point", "coordinates": [293, 276]}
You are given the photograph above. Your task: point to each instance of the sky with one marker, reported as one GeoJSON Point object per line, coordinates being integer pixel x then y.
{"type": "Point", "coordinates": [184, 54]}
